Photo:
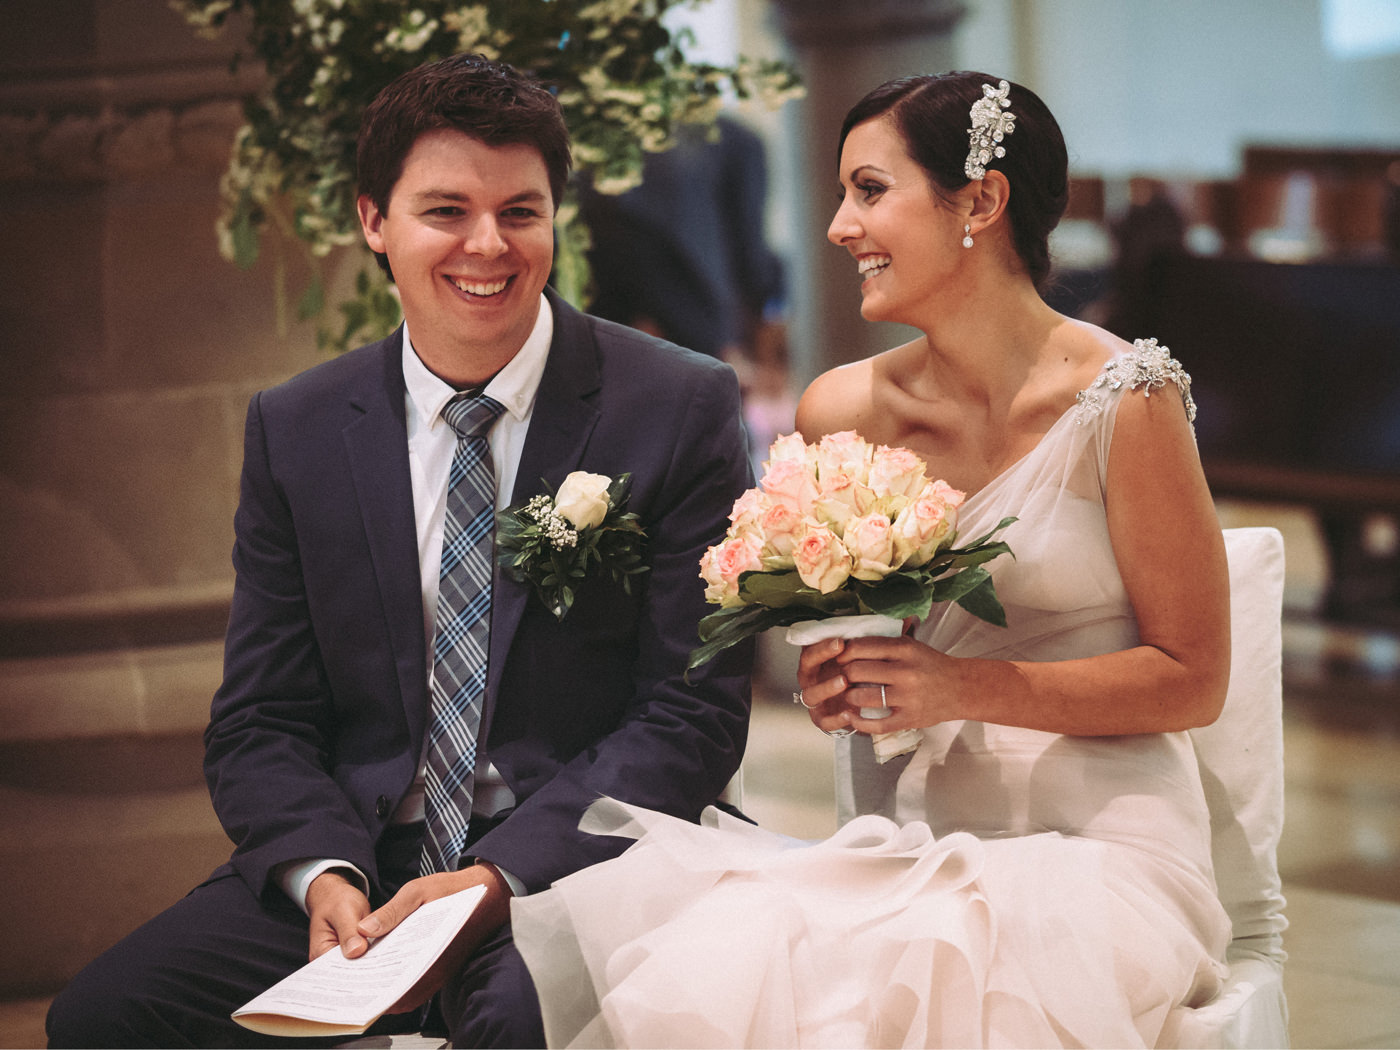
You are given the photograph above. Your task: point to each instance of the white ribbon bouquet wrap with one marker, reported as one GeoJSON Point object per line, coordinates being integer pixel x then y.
{"type": "Point", "coordinates": [809, 632]}
{"type": "Point", "coordinates": [841, 536]}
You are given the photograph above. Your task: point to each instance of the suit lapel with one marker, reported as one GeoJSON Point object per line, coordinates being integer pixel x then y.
{"type": "Point", "coordinates": [560, 424]}
{"type": "Point", "coordinates": [377, 445]}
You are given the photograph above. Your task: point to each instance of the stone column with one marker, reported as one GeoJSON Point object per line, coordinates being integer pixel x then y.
{"type": "Point", "coordinates": [843, 48]}
{"type": "Point", "coordinates": [130, 349]}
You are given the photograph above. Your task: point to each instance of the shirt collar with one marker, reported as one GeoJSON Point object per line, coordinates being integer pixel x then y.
{"type": "Point", "coordinates": [514, 386]}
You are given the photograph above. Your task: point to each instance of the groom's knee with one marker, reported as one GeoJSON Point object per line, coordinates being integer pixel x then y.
{"type": "Point", "coordinates": [96, 1010]}
{"type": "Point", "coordinates": [492, 1001]}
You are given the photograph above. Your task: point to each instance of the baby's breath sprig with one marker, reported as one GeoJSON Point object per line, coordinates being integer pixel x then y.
{"type": "Point", "coordinates": [554, 526]}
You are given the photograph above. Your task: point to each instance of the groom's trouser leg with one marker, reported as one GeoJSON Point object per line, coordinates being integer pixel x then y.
{"type": "Point", "coordinates": [492, 1001]}
{"type": "Point", "coordinates": [174, 981]}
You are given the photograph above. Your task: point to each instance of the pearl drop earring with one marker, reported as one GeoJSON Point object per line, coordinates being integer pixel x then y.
{"type": "Point", "coordinates": [967, 235]}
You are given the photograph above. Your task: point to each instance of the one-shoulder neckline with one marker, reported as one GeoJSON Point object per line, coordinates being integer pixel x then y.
{"type": "Point", "coordinates": [1068, 414]}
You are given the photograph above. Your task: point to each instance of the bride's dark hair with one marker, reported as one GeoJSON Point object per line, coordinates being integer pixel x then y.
{"type": "Point", "coordinates": [932, 114]}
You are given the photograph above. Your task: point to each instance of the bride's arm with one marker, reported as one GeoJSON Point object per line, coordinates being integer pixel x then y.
{"type": "Point", "coordinates": [1166, 539]}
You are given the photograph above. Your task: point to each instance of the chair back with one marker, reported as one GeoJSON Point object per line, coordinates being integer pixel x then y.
{"type": "Point", "coordinates": [1241, 753]}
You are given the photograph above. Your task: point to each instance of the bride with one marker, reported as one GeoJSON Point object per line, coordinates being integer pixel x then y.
{"type": "Point", "coordinates": [1037, 871]}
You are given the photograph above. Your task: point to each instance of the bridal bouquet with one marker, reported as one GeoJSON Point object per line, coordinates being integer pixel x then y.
{"type": "Point", "coordinates": [554, 542]}
{"type": "Point", "coordinates": [842, 528]}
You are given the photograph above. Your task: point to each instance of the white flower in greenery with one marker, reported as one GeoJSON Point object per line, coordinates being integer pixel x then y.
{"type": "Point", "coordinates": [583, 499]}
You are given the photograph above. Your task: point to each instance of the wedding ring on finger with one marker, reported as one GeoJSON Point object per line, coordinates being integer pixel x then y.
{"type": "Point", "coordinates": [797, 699]}
{"type": "Point", "coordinates": [883, 711]}
{"type": "Point", "coordinates": [838, 734]}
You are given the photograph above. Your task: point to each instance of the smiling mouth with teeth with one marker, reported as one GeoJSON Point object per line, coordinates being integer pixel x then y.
{"type": "Point", "coordinates": [482, 289]}
{"type": "Point", "coordinates": [872, 265]}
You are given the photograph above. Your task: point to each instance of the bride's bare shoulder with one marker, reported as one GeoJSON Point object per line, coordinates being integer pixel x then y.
{"type": "Point", "coordinates": [837, 400]}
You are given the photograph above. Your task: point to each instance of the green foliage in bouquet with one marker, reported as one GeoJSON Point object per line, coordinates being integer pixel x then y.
{"type": "Point", "coordinates": [621, 75]}
{"type": "Point", "coordinates": [780, 599]}
{"type": "Point", "coordinates": [556, 542]}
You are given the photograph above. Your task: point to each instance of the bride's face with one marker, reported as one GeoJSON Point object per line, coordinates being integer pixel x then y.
{"type": "Point", "coordinates": [903, 236]}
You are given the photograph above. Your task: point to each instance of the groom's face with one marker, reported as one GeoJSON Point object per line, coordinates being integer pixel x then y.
{"type": "Point", "coordinates": [469, 232]}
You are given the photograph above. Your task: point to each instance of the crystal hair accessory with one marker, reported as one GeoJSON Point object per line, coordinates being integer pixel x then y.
{"type": "Point", "coordinates": [989, 126]}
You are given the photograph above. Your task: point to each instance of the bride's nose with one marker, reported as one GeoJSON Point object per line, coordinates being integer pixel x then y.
{"type": "Point", "coordinates": [844, 226]}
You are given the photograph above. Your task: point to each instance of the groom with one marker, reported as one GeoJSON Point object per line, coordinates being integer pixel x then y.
{"type": "Point", "coordinates": [319, 746]}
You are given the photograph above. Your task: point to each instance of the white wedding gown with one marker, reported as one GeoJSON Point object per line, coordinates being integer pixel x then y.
{"type": "Point", "coordinates": [999, 887]}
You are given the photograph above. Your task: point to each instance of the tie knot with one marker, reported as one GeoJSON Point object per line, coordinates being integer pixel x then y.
{"type": "Point", "coordinates": [471, 415]}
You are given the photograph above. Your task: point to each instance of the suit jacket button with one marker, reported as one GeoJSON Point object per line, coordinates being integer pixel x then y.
{"type": "Point", "coordinates": [382, 806]}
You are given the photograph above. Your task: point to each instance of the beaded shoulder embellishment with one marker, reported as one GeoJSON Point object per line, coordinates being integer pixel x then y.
{"type": "Point", "coordinates": [1146, 365]}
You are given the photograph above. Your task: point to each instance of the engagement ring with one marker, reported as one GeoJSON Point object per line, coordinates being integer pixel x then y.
{"type": "Point", "coordinates": [797, 699]}
{"type": "Point", "coordinates": [844, 731]}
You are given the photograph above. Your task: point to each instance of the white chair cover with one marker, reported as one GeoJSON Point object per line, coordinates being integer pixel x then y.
{"type": "Point", "coordinates": [1241, 759]}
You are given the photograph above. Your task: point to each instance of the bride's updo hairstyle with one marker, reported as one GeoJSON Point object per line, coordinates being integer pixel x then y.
{"type": "Point", "coordinates": [933, 115]}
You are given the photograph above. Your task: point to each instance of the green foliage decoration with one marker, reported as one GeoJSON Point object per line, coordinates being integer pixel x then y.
{"type": "Point", "coordinates": [620, 73]}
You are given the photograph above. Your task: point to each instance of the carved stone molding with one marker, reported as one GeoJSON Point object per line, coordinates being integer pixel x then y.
{"type": "Point", "coordinates": [51, 145]}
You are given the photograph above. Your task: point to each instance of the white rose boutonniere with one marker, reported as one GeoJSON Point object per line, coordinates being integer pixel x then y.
{"type": "Point", "coordinates": [583, 499]}
{"type": "Point", "coordinates": [554, 543]}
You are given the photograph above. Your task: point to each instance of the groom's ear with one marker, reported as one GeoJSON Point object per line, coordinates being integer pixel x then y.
{"type": "Point", "coordinates": [988, 198]}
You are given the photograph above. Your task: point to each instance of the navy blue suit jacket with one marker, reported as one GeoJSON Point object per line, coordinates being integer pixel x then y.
{"type": "Point", "coordinates": [317, 729]}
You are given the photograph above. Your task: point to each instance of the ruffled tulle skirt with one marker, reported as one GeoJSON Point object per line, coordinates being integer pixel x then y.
{"type": "Point", "coordinates": [726, 935]}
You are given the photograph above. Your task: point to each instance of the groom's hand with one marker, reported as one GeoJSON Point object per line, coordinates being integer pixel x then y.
{"type": "Point", "coordinates": [490, 915]}
{"type": "Point", "coordinates": [336, 906]}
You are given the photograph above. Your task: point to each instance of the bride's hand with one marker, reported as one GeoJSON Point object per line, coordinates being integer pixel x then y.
{"type": "Point", "coordinates": [920, 683]}
{"type": "Point", "coordinates": [824, 686]}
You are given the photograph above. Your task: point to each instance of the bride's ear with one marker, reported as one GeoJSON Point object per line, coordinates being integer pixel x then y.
{"type": "Point", "coordinates": [988, 197]}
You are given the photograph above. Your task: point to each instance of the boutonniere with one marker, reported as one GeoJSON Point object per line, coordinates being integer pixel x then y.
{"type": "Point", "coordinates": [554, 543]}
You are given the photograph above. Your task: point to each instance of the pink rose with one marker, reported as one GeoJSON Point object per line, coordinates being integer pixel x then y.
{"type": "Point", "coordinates": [949, 495]}
{"type": "Point", "coordinates": [822, 560]}
{"type": "Point", "coordinates": [926, 524]}
{"type": "Point", "coordinates": [840, 497]}
{"type": "Point", "coordinates": [845, 452]}
{"type": "Point", "coordinates": [722, 565]}
{"type": "Point", "coordinates": [870, 541]}
{"type": "Point", "coordinates": [896, 472]}
{"type": "Point", "coordinates": [789, 481]}
{"type": "Point", "coordinates": [779, 530]}
{"type": "Point", "coordinates": [748, 510]}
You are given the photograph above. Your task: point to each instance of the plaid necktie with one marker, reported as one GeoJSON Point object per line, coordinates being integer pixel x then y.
{"type": "Point", "coordinates": [462, 633]}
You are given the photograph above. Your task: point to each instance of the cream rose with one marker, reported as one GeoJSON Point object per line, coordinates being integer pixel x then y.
{"type": "Point", "coordinates": [845, 452]}
{"type": "Point", "coordinates": [896, 472]}
{"type": "Point", "coordinates": [722, 565]}
{"type": "Point", "coordinates": [583, 499]}
{"type": "Point", "coordinates": [748, 510]}
{"type": "Point", "coordinates": [789, 446]}
{"type": "Point", "coordinates": [870, 541]}
{"type": "Point", "coordinates": [926, 524]}
{"type": "Point", "coordinates": [841, 497]}
{"type": "Point", "coordinates": [790, 481]}
{"type": "Point", "coordinates": [779, 528]}
{"type": "Point", "coordinates": [822, 560]}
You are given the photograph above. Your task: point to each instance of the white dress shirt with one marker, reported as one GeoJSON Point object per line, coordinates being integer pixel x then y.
{"type": "Point", "coordinates": [431, 446]}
